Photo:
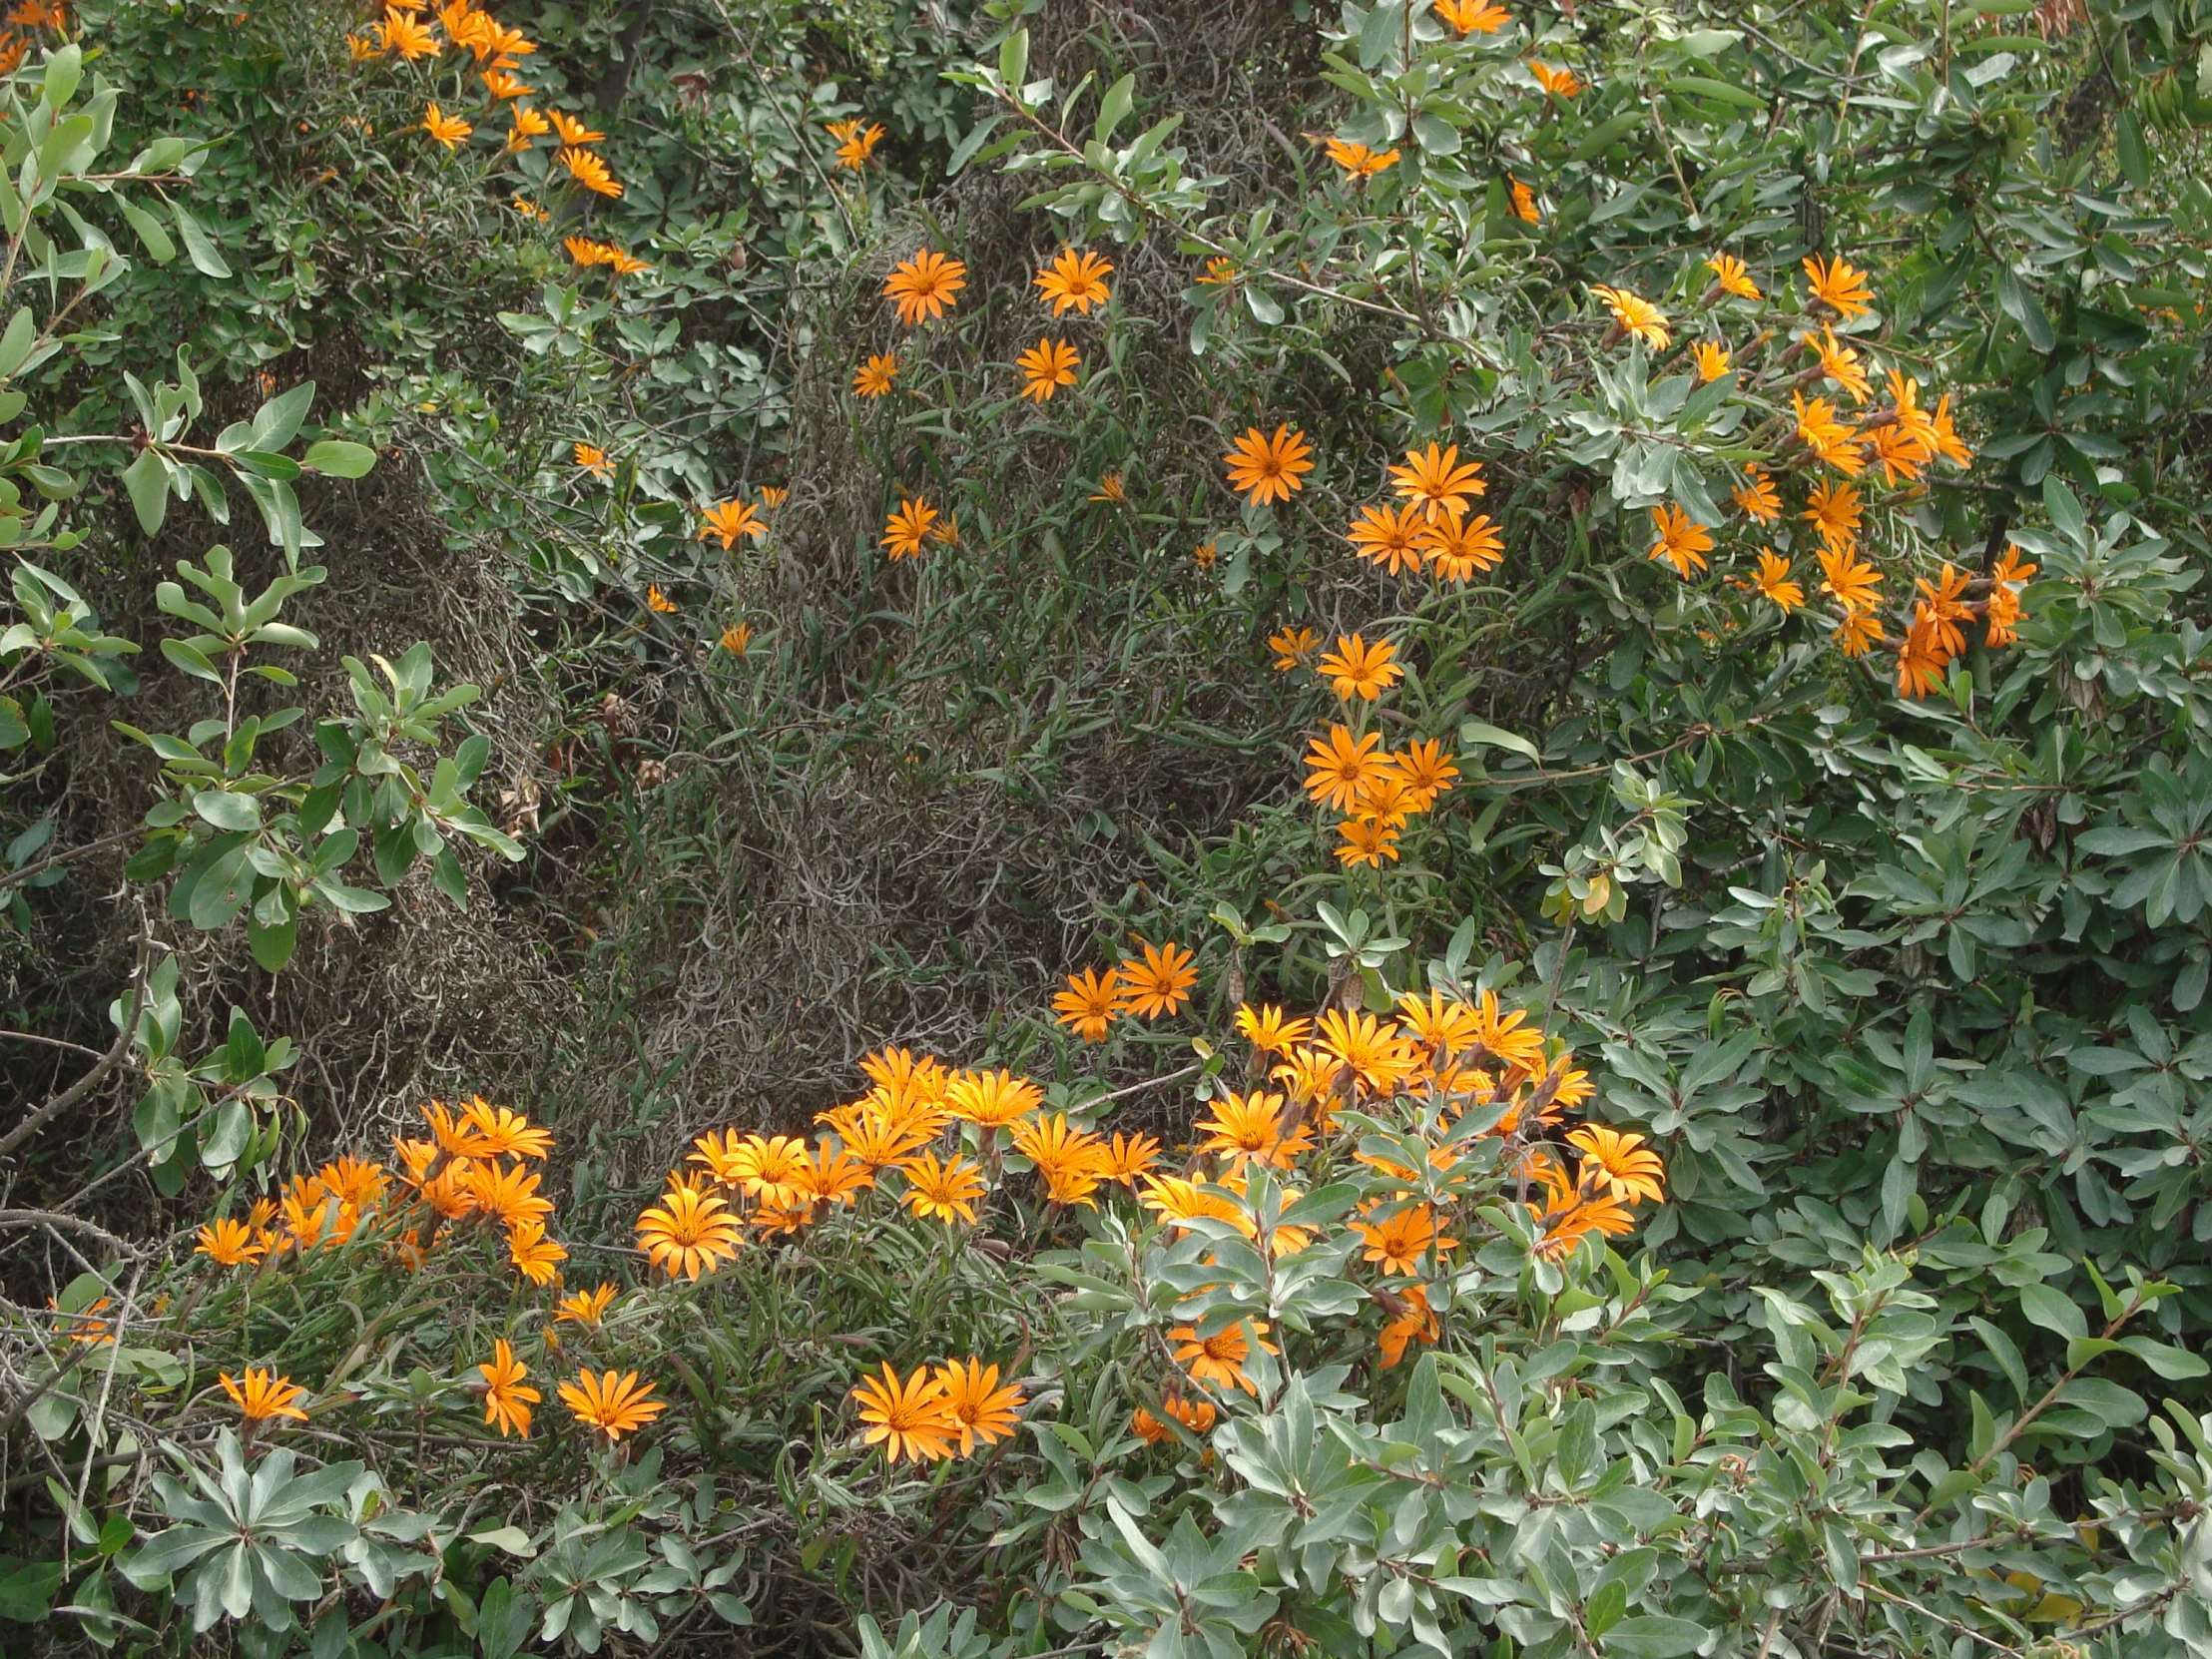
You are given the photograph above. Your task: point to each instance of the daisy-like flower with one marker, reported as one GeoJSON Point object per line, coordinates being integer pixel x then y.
{"type": "Point", "coordinates": [1438, 482]}
{"type": "Point", "coordinates": [261, 1396]}
{"type": "Point", "coordinates": [1376, 1054]}
{"type": "Point", "coordinates": [1204, 555]}
{"type": "Point", "coordinates": [1472, 17]}
{"type": "Point", "coordinates": [1560, 82]}
{"type": "Point", "coordinates": [625, 264]}
{"type": "Point", "coordinates": [489, 1131]}
{"type": "Point", "coordinates": [1757, 494]}
{"type": "Point", "coordinates": [907, 1417]}
{"type": "Point", "coordinates": [1088, 1003]}
{"type": "Point", "coordinates": [873, 378]}
{"type": "Point", "coordinates": [1944, 600]}
{"type": "Point", "coordinates": [1267, 469]}
{"type": "Point", "coordinates": [1524, 201]}
{"type": "Point", "coordinates": [924, 286]}
{"type": "Point", "coordinates": [1634, 316]}
{"type": "Point", "coordinates": [1852, 584]}
{"type": "Point", "coordinates": [1412, 1320]}
{"type": "Point", "coordinates": [1773, 581]}
{"type": "Point", "coordinates": [407, 36]}
{"type": "Point", "coordinates": [585, 1308]}
{"type": "Point", "coordinates": [856, 143]}
{"type": "Point", "coordinates": [1340, 764]}
{"type": "Point", "coordinates": [2013, 572]}
{"type": "Point", "coordinates": [571, 131]}
{"type": "Point", "coordinates": [1069, 1161]}
{"type": "Point", "coordinates": [1859, 631]}
{"type": "Point", "coordinates": [1841, 364]}
{"type": "Point", "coordinates": [992, 1099]}
{"type": "Point", "coordinates": [523, 124]}
{"type": "Point", "coordinates": [503, 86]}
{"type": "Point", "coordinates": [586, 251]}
{"type": "Point", "coordinates": [1840, 285]}
{"type": "Point", "coordinates": [1944, 436]}
{"type": "Point", "coordinates": [534, 1256]}
{"type": "Point", "coordinates": [1367, 841]}
{"type": "Point", "coordinates": [725, 521]}
{"type": "Point", "coordinates": [1075, 280]}
{"type": "Point", "coordinates": [614, 1403]}
{"type": "Point", "coordinates": [1220, 1358]}
{"type": "Point", "coordinates": [1712, 360]}
{"type": "Point", "coordinates": [1046, 367]}
{"type": "Point", "coordinates": [1437, 1021]}
{"type": "Point", "coordinates": [1389, 801]}
{"type": "Point", "coordinates": [1833, 511]}
{"type": "Point", "coordinates": [689, 1233]}
{"type": "Point", "coordinates": [1292, 647]}
{"type": "Point", "coordinates": [908, 528]}
{"type": "Point", "coordinates": [1128, 1156]}
{"type": "Point", "coordinates": [1109, 489]}
{"type": "Point", "coordinates": [1358, 162]}
{"type": "Point", "coordinates": [507, 1398]}
{"type": "Point", "coordinates": [593, 459]}
{"type": "Point", "coordinates": [1358, 669]}
{"type": "Point", "coordinates": [588, 170]}
{"type": "Point", "coordinates": [1829, 438]}
{"type": "Point", "coordinates": [656, 600]}
{"type": "Point", "coordinates": [737, 641]}
{"type": "Point", "coordinates": [1682, 541]}
{"type": "Point", "coordinates": [944, 1191]}
{"type": "Point", "coordinates": [1629, 1169]}
{"type": "Point", "coordinates": [447, 129]}
{"type": "Point", "coordinates": [1158, 983]}
{"type": "Point", "coordinates": [978, 1408]}
{"type": "Point", "coordinates": [1921, 659]}
{"type": "Point", "coordinates": [1269, 1030]}
{"type": "Point", "coordinates": [1197, 1416]}
{"type": "Point", "coordinates": [1427, 769]}
{"type": "Point", "coordinates": [1249, 1128]}
{"type": "Point", "coordinates": [1732, 276]}
{"type": "Point", "coordinates": [230, 1243]}
{"type": "Point", "coordinates": [767, 1167]}
{"type": "Point", "coordinates": [1398, 1241]}
{"type": "Point", "coordinates": [1457, 548]}
{"type": "Point", "coordinates": [354, 1182]}
{"type": "Point", "coordinates": [507, 1195]}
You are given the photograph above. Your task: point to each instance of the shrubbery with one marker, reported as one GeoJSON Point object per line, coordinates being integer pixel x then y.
{"type": "Point", "coordinates": [1354, 832]}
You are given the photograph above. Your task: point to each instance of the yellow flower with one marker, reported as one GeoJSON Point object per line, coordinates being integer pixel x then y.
{"type": "Point", "coordinates": [1852, 585]}
{"type": "Point", "coordinates": [1561, 82]}
{"type": "Point", "coordinates": [1046, 367]}
{"type": "Point", "coordinates": [1109, 489]}
{"type": "Point", "coordinates": [689, 1233]}
{"type": "Point", "coordinates": [1358, 162]}
{"type": "Point", "coordinates": [725, 521]}
{"type": "Point", "coordinates": [1732, 276]}
{"type": "Point", "coordinates": [1221, 1357]}
{"type": "Point", "coordinates": [978, 1408]}
{"type": "Point", "coordinates": [1358, 669]}
{"type": "Point", "coordinates": [523, 126]}
{"type": "Point", "coordinates": [408, 36]}
{"type": "Point", "coordinates": [1628, 1169]}
{"type": "Point", "coordinates": [1838, 285]}
{"type": "Point", "coordinates": [1476, 17]}
{"type": "Point", "coordinates": [737, 641]}
{"type": "Point", "coordinates": [1377, 1055]}
{"type": "Point", "coordinates": [507, 1398]}
{"type": "Point", "coordinates": [1858, 632]}
{"type": "Point", "coordinates": [503, 86]}
{"type": "Point", "coordinates": [1249, 1127]}
{"type": "Point", "coordinates": [1088, 1004]}
{"type": "Point", "coordinates": [1127, 1157]}
{"type": "Point", "coordinates": [944, 1191]}
{"type": "Point", "coordinates": [1757, 494]}
{"type": "Point", "coordinates": [229, 1243]}
{"type": "Point", "coordinates": [1827, 436]}
{"type": "Point", "coordinates": [873, 378]}
{"type": "Point", "coordinates": [1071, 1162]}
{"type": "Point", "coordinates": [856, 143]}
{"type": "Point", "coordinates": [592, 460]}
{"type": "Point", "coordinates": [1074, 282]}
{"type": "Point", "coordinates": [1636, 315]}
{"type": "Point", "coordinates": [907, 1418]}
{"type": "Point", "coordinates": [1266, 468]}
{"type": "Point", "coordinates": [263, 1395]}
{"type": "Point", "coordinates": [1456, 548]}
{"type": "Point", "coordinates": [1389, 536]}
{"type": "Point", "coordinates": [1292, 647]}
{"type": "Point", "coordinates": [1833, 510]}
{"type": "Point", "coordinates": [907, 529]}
{"type": "Point", "coordinates": [536, 1257]}
{"type": "Point", "coordinates": [488, 1131]}
{"type": "Point", "coordinates": [1712, 360]}
{"type": "Point", "coordinates": [1774, 581]}
{"type": "Point", "coordinates": [924, 285]}
{"type": "Point", "coordinates": [1438, 482]}
{"type": "Point", "coordinates": [992, 1099]}
{"type": "Point", "coordinates": [588, 170]}
{"type": "Point", "coordinates": [1340, 764]}
{"type": "Point", "coordinates": [1158, 984]}
{"type": "Point", "coordinates": [614, 1403]}
{"type": "Point", "coordinates": [586, 251]}
{"type": "Point", "coordinates": [448, 129]}
{"type": "Point", "coordinates": [572, 131]}
{"type": "Point", "coordinates": [1269, 1030]}
{"type": "Point", "coordinates": [1841, 364]}
{"type": "Point", "coordinates": [1682, 541]}
{"type": "Point", "coordinates": [585, 1308]}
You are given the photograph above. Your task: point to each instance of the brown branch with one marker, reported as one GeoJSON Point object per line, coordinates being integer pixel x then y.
{"type": "Point", "coordinates": [9, 878]}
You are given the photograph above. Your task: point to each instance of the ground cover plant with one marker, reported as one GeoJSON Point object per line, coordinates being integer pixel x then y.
{"type": "Point", "coordinates": [1022, 830]}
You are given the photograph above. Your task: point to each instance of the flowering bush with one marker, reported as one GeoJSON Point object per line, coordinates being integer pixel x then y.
{"type": "Point", "coordinates": [1544, 671]}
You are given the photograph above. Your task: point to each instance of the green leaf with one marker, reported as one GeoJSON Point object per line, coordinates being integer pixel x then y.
{"type": "Point", "coordinates": [151, 236]}
{"type": "Point", "coordinates": [205, 257]}
{"type": "Point", "coordinates": [2055, 1311]}
{"type": "Point", "coordinates": [1475, 735]}
{"type": "Point", "coordinates": [1013, 58]}
{"type": "Point", "coordinates": [1701, 86]}
{"type": "Point", "coordinates": [15, 344]}
{"type": "Point", "coordinates": [340, 459]}
{"type": "Point", "coordinates": [1654, 1636]}
{"type": "Point", "coordinates": [147, 478]}
{"type": "Point", "coordinates": [1113, 107]}
{"type": "Point", "coordinates": [227, 811]}
{"type": "Point", "coordinates": [2024, 307]}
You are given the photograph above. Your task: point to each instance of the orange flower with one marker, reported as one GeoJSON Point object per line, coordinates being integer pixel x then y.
{"type": "Point", "coordinates": [1712, 360]}
{"type": "Point", "coordinates": [1375, 1052]}
{"type": "Point", "coordinates": [1774, 581]}
{"type": "Point", "coordinates": [1635, 316]}
{"type": "Point", "coordinates": [229, 1243]}
{"type": "Point", "coordinates": [657, 601]}
{"type": "Point", "coordinates": [489, 1131]}
{"type": "Point", "coordinates": [924, 285]}
{"type": "Point", "coordinates": [523, 126]}
{"type": "Point", "coordinates": [1841, 364]}
{"type": "Point", "coordinates": [856, 143]}
{"type": "Point", "coordinates": [1071, 1162]}
{"type": "Point", "coordinates": [1389, 536]}
{"type": "Point", "coordinates": [1128, 1156]}
{"type": "Point", "coordinates": [1852, 584]}
{"type": "Point", "coordinates": [507, 1398]}
{"type": "Point", "coordinates": [1340, 764]}
{"type": "Point", "coordinates": [1291, 647]}
{"type": "Point", "coordinates": [503, 86]}
{"type": "Point", "coordinates": [1476, 17]}
{"type": "Point", "coordinates": [910, 1418]}
{"type": "Point", "coordinates": [1838, 285]}
{"type": "Point", "coordinates": [448, 129]}
{"type": "Point", "coordinates": [1524, 201]}
{"type": "Point", "coordinates": [1367, 841]}
{"type": "Point", "coordinates": [1197, 1416]}
{"type": "Point", "coordinates": [1269, 1030]}
{"type": "Point", "coordinates": [1417, 1324]}
{"type": "Point", "coordinates": [1732, 276]}
{"type": "Point", "coordinates": [907, 529]}
{"type": "Point", "coordinates": [1561, 82]}
{"type": "Point", "coordinates": [944, 1191]}
{"type": "Point", "coordinates": [408, 36]}
{"type": "Point", "coordinates": [1075, 282]}
{"type": "Point", "coordinates": [1088, 1004]}
{"type": "Point", "coordinates": [1438, 482]}
{"type": "Point", "coordinates": [1046, 367]}
{"type": "Point", "coordinates": [1858, 633]}
{"type": "Point", "coordinates": [588, 170]}
{"type": "Point", "coordinates": [1249, 1127]}
{"type": "Point", "coordinates": [507, 1195]}
{"type": "Point", "coordinates": [1456, 548]}
{"type": "Point", "coordinates": [1428, 771]}
{"type": "Point", "coordinates": [572, 131]}
{"type": "Point", "coordinates": [978, 1408]}
{"type": "Point", "coordinates": [592, 460]}
{"type": "Point", "coordinates": [585, 1308]}
{"type": "Point", "coordinates": [873, 378]}
{"type": "Point", "coordinates": [728, 520]}
{"type": "Point", "coordinates": [1682, 541]}
{"type": "Point", "coordinates": [1220, 1357]}
{"type": "Point", "coordinates": [1757, 495]}
{"type": "Point", "coordinates": [1358, 669]}
{"type": "Point", "coordinates": [1946, 605]}
{"type": "Point", "coordinates": [1629, 1170]}
{"type": "Point", "coordinates": [536, 1257]}
{"type": "Point", "coordinates": [1269, 469]}
{"type": "Point", "coordinates": [1158, 984]}
{"type": "Point", "coordinates": [264, 1396]}
{"type": "Point", "coordinates": [992, 1099]}
{"type": "Point", "coordinates": [1921, 658]}
{"type": "Point", "coordinates": [614, 1403]}
{"type": "Point", "coordinates": [689, 1233]}
{"type": "Point", "coordinates": [1833, 511]}
{"type": "Point", "coordinates": [1358, 162]}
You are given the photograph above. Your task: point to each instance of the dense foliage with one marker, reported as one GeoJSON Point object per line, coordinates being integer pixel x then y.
{"type": "Point", "coordinates": [1134, 829]}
